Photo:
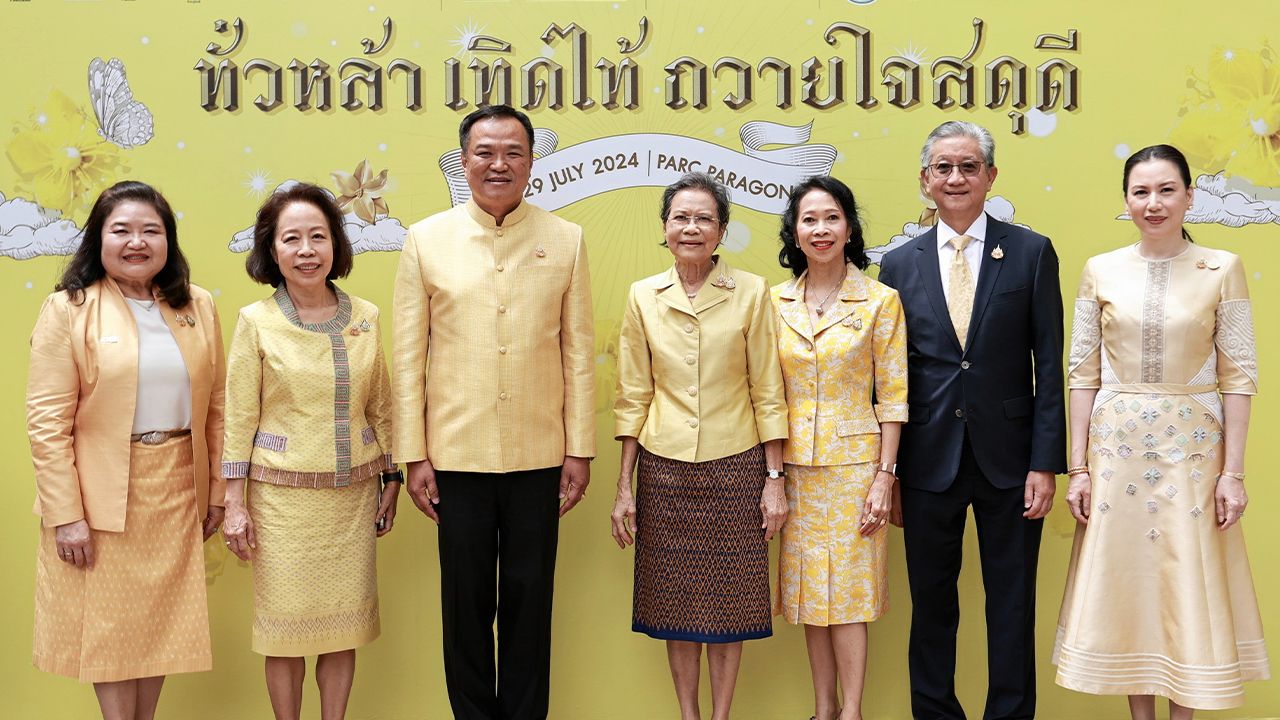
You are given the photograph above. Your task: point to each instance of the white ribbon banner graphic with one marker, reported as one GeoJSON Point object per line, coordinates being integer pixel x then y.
{"type": "Point", "coordinates": [757, 178]}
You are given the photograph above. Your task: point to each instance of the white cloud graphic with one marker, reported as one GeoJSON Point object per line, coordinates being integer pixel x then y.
{"type": "Point", "coordinates": [385, 235]}
{"type": "Point", "coordinates": [997, 207]}
{"type": "Point", "coordinates": [1230, 201]}
{"type": "Point", "coordinates": [28, 230]}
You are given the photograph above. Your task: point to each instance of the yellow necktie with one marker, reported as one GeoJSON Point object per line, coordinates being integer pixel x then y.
{"type": "Point", "coordinates": [960, 289]}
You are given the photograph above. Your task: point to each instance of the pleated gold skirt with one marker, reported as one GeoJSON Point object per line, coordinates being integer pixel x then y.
{"type": "Point", "coordinates": [141, 611]}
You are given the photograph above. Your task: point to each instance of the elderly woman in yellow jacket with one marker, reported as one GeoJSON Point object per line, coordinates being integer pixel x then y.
{"type": "Point", "coordinates": [842, 340]}
{"type": "Point", "coordinates": [309, 423]}
{"type": "Point", "coordinates": [124, 413]}
{"type": "Point", "coordinates": [700, 409]}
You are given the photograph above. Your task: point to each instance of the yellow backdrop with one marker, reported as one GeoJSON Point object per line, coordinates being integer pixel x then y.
{"type": "Point", "coordinates": [232, 101]}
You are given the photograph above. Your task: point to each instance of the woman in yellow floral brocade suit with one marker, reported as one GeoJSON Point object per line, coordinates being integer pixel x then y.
{"type": "Point", "coordinates": [842, 340]}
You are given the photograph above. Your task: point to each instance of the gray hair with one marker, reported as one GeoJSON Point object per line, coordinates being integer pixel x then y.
{"type": "Point", "coordinates": [960, 128]}
{"type": "Point", "coordinates": [698, 181]}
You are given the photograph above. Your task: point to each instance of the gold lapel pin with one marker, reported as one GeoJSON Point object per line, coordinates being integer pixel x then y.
{"type": "Point", "coordinates": [539, 251]}
{"type": "Point", "coordinates": [997, 253]}
{"type": "Point", "coordinates": [725, 282]}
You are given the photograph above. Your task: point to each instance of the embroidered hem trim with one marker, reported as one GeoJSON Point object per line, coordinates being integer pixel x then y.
{"type": "Point", "coordinates": [292, 478]}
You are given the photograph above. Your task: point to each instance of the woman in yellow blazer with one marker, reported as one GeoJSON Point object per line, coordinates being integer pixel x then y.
{"type": "Point", "coordinates": [124, 414]}
{"type": "Point", "coordinates": [842, 340]}
{"type": "Point", "coordinates": [700, 409]}
{"type": "Point", "coordinates": [308, 435]}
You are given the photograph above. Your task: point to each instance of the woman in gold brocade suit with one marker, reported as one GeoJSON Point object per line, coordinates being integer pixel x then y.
{"type": "Point", "coordinates": [842, 341]}
{"type": "Point", "coordinates": [1159, 598]}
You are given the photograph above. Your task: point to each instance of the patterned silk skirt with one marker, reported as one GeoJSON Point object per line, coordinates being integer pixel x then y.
{"type": "Point", "coordinates": [141, 611]}
{"type": "Point", "coordinates": [1159, 601]}
{"type": "Point", "coordinates": [702, 563]}
{"type": "Point", "coordinates": [828, 574]}
{"type": "Point", "coordinates": [315, 581]}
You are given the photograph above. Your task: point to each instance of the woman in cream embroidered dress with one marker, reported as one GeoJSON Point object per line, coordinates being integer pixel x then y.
{"type": "Point", "coordinates": [1159, 598]}
{"type": "Point", "coordinates": [842, 340]}
{"type": "Point", "coordinates": [309, 422]}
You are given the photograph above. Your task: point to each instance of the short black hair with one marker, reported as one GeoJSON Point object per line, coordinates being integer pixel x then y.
{"type": "Point", "coordinates": [173, 282]}
{"type": "Point", "coordinates": [261, 264]}
{"type": "Point", "coordinates": [492, 111]}
{"type": "Point", "coordinates": [791, 256]}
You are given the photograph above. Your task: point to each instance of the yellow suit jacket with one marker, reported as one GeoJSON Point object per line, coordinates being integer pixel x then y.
{"type": "Point", "coordinates": [494, 347]}
{"type": "Point", "coordinates": [699, 380]}
{"type": "Point", "coordinates": [81, 388]}
{"type": "Point", "coordinates": [845, 376]}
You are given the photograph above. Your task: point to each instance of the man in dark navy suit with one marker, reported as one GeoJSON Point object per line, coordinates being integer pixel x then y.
{"type": "Point", "coordinates": [986, 422]}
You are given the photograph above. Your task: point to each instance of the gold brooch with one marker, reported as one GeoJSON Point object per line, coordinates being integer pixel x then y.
{"type": "Point", "coordinates": [1203, 264]}
{"type": "Point", "coordinates": [185, 320]}
{"type": "Point", "coordinates": [362, 326]}
{"type": "Point", "coordinates": [539, 251]}
{"type": "Point", "coordinates": [997, 253]}
{"type": "Point", "coordinates": [725, 282]}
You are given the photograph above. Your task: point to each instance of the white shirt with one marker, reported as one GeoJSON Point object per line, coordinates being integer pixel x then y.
{"type": "Point", "coordinates": [972, 253]}
{"type": "Point", "coordinates": [164, 388]}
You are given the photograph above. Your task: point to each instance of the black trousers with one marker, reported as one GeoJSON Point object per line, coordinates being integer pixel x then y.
{"type": "Point", "coordinates": [498, 535]}
{"type": "Point", "coordinates": [1009, 548]}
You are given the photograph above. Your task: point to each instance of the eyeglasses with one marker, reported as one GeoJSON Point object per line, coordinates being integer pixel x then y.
{"type": "Point", "coordinates": [968, 168]}
{"type": "Point", "coordinates": [704, 222]}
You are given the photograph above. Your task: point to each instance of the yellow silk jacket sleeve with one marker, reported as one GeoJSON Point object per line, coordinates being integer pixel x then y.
{"type": "Point", "coordinates": [764, 373]}
{"type": "Point", "coordinates": [215, 419]}
{"type": "Point", "coordinates": [53, 392]}
{"type": "Point", "coordinates": [378, 407]}
{"type": "Point", "coordinates": [243, 398]}
{"type": "Point", "coordinates": [577, 351]}
{"type": "Point", "coordinates": [411, 318]}
{"type": "Point", "coordinates": [635, 373]}
{"type": "Point", "coordinates": [889, 353]}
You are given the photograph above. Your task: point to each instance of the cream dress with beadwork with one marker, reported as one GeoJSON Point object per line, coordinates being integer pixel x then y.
{"type": "Point", "coordinates": [1159, 601]}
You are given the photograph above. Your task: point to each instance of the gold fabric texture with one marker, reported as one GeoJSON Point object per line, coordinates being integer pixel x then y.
{"type": "Point", "coordinates": [699, 379]}
{"type": "Point", "coordinates": [960, 289]}
{"type": "Point", "coordinates": [282, 383]}
{"type": "Point", "coordinates": [1159, 601]}
{"type": "Point", "coordinates": [494, 359]}
{"type": "Point", "coordinates": [315, 581]}
{"type": "Point", "coordinates": [828, 574]}
{"type": "Point", "coordinates": [141, 610]}
{"type": "Point", "coordinates": [832, 373]}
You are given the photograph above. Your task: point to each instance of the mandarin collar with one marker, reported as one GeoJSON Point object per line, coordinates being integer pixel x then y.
{"type": "Point", "coordinates": [520, 212]}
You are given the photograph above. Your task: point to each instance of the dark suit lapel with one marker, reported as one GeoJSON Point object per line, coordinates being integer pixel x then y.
{"type": "Point", "coordinates": [931, 278]}
{"type": "Point", "coordinates": [988, 271]}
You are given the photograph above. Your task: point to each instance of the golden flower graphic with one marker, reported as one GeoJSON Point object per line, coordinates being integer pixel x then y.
{"type": "Point", "coordinates": [61, 160]}
{"type": "Point", "coordinates": [362, 192]}
{"type": "Point", "coordinates": [1231, 120]}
